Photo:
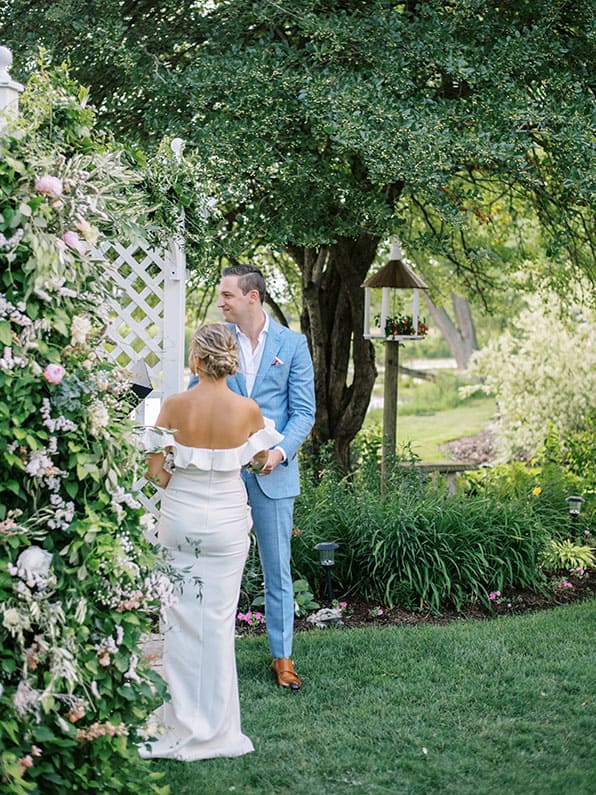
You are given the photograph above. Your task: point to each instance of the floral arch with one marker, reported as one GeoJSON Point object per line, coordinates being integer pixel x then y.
{"type": "Point", "coordinates": [80, 586]}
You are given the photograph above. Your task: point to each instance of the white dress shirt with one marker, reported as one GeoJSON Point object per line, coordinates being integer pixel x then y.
{"type": "Point", "coordinates": [250, 361]}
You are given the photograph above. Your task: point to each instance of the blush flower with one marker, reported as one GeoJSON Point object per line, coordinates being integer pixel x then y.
{"type": "Point", "coordinates": [54, 373]}
{"type": "Point", "coordinates": [49, 186]}
{"type": "Point", "coordinates": [73, 241]}
{"type": "Point", "coordinates": [25, 762]}
{"type": "Point", "coordinates": [89, 232]}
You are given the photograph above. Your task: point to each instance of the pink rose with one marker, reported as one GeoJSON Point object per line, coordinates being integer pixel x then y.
{"type": "Point", "coordinates": [74, 241]}
{"type": "Point", "coordinates": [54, 373]}
{"type": "Point", "coordinates": [49, 186]}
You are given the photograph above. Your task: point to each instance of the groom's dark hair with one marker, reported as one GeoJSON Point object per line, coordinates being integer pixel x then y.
{"type": "Point", "coordinates": [249, 278]}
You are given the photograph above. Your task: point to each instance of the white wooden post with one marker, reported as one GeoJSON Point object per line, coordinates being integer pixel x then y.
{"type": "Point", "coordinates": [174, 309]}
{"type": "Point", "coordinates": [174, 304]}
{"type": "Point", "coordinates": [9, 88]}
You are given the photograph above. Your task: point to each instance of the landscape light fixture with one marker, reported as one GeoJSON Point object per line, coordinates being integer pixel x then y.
{"type": "Point", "coordinates": [326, 550]}
{"type": "Point", "coordinates": [575, 508]}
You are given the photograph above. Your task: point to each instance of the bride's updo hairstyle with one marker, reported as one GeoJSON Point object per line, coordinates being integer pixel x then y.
{"type": "Point", "coordinates": [217, 348]}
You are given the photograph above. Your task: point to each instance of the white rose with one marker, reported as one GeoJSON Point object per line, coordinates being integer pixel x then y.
{"type": "Point", "coordinates": [98, 417]}
{"type": "Point", "coordinates": [35, 562]}
{"type": "Point", "coordinates": [80, 328]}
{"type": "Point", "coordinates": [12, 618]}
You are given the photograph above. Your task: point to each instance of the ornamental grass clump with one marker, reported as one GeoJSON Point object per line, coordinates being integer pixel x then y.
{"type": "Point", "coordinates": [417, 548]}
{"type": "Point", "coordinates": [79, 585]}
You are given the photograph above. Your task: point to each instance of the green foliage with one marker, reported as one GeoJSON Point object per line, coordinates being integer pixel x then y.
{"type": "Point", "coordinates": [79, 585]}
{"type": "Point", "coordinates": [542, 371]}
{"type": "Point", "coordinates": [567, 554]}
{"type": "Point", "coordinates": [304, 600]}
{"type": "Point", "coordinates": [578, 451]}
{"type": "Point", "coordinates": [314, 121]}
{"type": "Point", "coordinates": [416, 547]}
{"type": "Point", "coordinates": [433, 396]}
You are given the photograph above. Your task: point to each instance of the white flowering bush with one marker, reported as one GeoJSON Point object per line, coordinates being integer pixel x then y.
{"type": "Point", "coordinates": [79, 585]}
{"type": "Point", "coordinates": [543, 372]}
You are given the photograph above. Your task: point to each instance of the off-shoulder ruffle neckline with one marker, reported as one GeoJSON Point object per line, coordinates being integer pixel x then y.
{"type": "Point", "coordinates": [221, 459]}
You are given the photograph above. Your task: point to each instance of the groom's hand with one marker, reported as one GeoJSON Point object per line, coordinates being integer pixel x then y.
{"type": "Point", "coordinates": [274, 458]}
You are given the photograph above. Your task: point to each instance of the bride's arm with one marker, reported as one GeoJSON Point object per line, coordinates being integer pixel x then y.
{"type": "Point", "coordinates": [155, 470]}
{"type": "Point", "coordinates": [156, 462]}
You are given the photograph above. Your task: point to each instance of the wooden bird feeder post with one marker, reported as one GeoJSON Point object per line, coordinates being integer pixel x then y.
{"type": "Point", "coordinates": [393, 328]}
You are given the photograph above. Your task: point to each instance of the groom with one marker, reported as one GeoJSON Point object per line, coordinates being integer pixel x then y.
{"type": "Point", "coordinates": [276, 371]}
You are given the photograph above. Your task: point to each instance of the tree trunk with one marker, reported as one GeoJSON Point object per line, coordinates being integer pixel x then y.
{"type": "Point", "coordinates": [459, 335]}
{"type": "Point", "coordinates": [332, 317]}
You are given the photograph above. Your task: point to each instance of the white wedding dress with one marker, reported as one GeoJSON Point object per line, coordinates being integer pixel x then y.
{"type": "Point", "coordinates": [205, 502]}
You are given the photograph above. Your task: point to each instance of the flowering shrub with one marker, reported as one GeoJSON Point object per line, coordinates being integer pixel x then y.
{"type": "Point", "coordinates": [79, 585]}
{"type": "Point", "coordinates": [543, 373]}
{"type": "Point", "coordinates": [251, 618]}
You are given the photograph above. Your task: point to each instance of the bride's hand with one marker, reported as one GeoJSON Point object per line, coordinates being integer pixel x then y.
{"type": "Point", "coordinates": [258, 461]}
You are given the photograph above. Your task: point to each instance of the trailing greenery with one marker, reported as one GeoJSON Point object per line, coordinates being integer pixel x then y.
{"type": "Point", "coordinates": [495, 707]}
{"type": "Point", "coordinates": [79, 585]}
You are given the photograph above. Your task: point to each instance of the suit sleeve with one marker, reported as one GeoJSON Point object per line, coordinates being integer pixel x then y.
{"type": "Point", "coordinates": [301, 399]}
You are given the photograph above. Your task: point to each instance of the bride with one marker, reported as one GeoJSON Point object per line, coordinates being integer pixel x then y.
{"type": "Point", "coordinates": [204, 524]}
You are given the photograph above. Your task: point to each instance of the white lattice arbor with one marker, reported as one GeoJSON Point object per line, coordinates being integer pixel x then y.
{"type": "Point", "coordinates": [147, 319]}
{"type": "Point", "coordinates": [148, 303]}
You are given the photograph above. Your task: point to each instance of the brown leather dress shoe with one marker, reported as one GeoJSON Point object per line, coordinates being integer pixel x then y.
{"type": "Point", "coordinates": [283, 668]}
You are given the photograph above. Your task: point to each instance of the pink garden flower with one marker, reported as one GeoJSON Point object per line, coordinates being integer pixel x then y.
{"type": "Point", "coordinates": [25, 762]}
{"type": "Point", "coordinates": [54, 373]}
{"type": "Point", "coordinates": [73, 241]}
{"type": "Point", "coordinates": [49, 186]}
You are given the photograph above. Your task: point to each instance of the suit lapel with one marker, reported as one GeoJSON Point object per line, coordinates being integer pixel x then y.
{"type": "Point", "coordinates": [270, 351]}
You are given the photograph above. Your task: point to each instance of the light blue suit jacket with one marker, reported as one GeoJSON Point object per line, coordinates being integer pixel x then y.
{"type": "Point", "coordinates": [284, 390]}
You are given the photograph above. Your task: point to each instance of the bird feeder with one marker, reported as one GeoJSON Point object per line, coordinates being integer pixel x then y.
{"type": "Point", "coordinates": [393, 327]}
{"type": "Point", "coordinates": [395, 275]}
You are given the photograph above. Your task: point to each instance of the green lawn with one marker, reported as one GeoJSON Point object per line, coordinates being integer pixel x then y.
{"type": "Point", "coordinates": [428, 431]}
{"type": "Point", "coordinates": [500, 707]}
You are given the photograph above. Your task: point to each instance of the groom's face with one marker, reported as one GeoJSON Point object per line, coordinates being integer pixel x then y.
{"type": "Point", "coordinates": [234, 304]}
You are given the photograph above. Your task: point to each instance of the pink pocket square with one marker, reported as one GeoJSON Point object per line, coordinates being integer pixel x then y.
{"type": "Point", "coordinates": [276, 362]}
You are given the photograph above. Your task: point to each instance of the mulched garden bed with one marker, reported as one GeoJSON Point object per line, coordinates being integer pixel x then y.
{"type": "Point", "coordinates": [362, 613]}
